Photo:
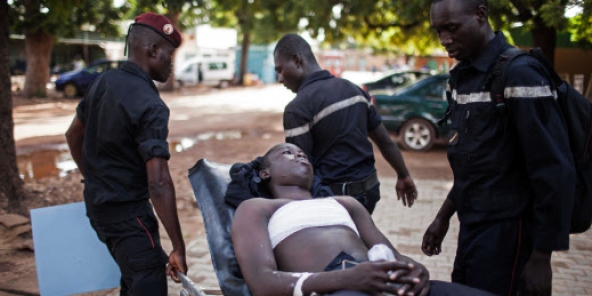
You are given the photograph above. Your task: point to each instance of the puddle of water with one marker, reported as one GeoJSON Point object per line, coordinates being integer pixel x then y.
{"type": "Point", "coordinates": [44, 164]}
{"type": "Point", "coordinates": [56, 160]}
{"type": "Point", "coordinates": [180, 145]}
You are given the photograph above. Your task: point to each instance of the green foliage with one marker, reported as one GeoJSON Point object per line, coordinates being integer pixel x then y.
{"type": "Point", "coordinates": [403, 26]}
{"type": "Point", "coordinates": [384, 25]}
{"type": "Point", "coordinates": [64, 17]}
{"type": "Point", "coordinates": [264, 20]}
{"type": "Point", "coordinates": [580, 26]}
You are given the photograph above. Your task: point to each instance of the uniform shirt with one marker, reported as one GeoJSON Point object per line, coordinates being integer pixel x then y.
{"type": "Point", "coordinates": [517, 165]}
{"type": "Point", "coordinates": [126, 124]}
{"type": "Point", "coordinates": [329, 120]}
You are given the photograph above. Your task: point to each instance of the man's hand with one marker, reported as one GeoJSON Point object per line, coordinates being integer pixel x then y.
{"type": "Point", "coordinates": [537, 275]}
{"type": "Point", "coordinates": [406, 191]}
{"type": "Point", "coordinates": [176, 263]}
{"type": "Point", "coordinates": [434, 235]}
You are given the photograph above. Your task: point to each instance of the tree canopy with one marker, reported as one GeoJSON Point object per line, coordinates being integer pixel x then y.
{"type": "Point", "coordinates": [403, 26]}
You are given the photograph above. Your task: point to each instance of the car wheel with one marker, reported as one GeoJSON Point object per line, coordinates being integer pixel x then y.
{"type": "Point", "coordinates": [417, 135]}
{"type": "Point", "coordinates": [70, 90]}
{"type": "Point", "coordinates": [223, 84]}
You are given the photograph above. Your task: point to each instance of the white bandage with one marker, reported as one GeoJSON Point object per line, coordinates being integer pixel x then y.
{"type": "Point", "coordinates": [299, 282]}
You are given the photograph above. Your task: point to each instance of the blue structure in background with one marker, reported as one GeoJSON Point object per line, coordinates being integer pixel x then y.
{"type": "Point", "coordinates": [259, 61]}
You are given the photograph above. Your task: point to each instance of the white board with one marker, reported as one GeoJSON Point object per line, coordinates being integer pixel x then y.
{"type": "Point", "coordinates": [69, 256]}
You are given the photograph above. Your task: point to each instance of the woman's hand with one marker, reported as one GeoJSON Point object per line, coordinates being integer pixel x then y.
{"type": "Point", "coordinates": [373, 277]}
{"type": "Point", "coordinates": [415, 282]}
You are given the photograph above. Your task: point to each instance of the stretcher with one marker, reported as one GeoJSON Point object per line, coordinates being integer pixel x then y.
{"type": "Point", "coordinates": [209, 181]}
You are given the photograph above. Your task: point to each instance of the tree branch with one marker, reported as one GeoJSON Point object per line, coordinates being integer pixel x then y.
{"type": "Point", "coordinates": [372, 25]}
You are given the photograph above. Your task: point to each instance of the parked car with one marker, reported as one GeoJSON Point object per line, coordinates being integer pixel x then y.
{"type": "Point", "coordinates": [76, 83]}
{"type": "Point", "coordinates": [217, 71]}
{"type": "Point", "coordinates": [412, 112]}
{"type": "Point", "coordinates": [393, 80]}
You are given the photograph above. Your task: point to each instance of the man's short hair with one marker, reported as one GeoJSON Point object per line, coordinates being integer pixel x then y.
{"type": "Point", "coordinates": [468, 3]}
{"type": "Point", "coordinates": [142, 37]}
{"type": "Point", "coordinates": [292, 44]}
{"type": "Point", "coordinates": [265, 162]}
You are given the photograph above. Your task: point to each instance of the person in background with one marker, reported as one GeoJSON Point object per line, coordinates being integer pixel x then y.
{"type": "Point", "coordinates": [78, 63]}
{"type": "Point", "coordinates": [331, 120]}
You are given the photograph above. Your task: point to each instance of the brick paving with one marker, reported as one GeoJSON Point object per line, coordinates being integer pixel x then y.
{"type": "Point", "coordinates": [572, 270]}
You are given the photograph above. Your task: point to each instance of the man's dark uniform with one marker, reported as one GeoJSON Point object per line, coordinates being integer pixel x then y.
{"type": "Point", "coordinates": [126, 125]}
{"type": "Point", "coordinates": [512, 169]}
{"type": "Point", "coordinates": [330, 119]}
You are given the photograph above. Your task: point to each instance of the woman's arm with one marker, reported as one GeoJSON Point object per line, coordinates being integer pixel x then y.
{"type": "Point", "coordinates": [256, 259]}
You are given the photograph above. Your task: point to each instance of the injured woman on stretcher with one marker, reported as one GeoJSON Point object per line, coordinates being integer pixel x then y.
{"type": "Point", "coordinates": [293, 244]}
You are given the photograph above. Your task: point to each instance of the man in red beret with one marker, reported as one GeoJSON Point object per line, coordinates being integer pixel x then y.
{"type": "Point", "coordinates": [118, 139]}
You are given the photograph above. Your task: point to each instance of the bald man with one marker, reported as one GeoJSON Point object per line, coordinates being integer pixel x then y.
{"type": "Point", "coordinates": [331, 119]}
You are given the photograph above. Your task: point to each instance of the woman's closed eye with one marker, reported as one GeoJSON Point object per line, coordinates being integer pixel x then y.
{"type": "Point", "coordinates": [289, 154]}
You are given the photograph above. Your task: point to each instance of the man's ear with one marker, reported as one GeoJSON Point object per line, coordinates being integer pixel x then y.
{"type": "Point", "coordinates": [482, 13]}
{"type": "Point", "coordinates": [264, 174]}
{"type": "Point", "coordinates": [152, 50]}
{"type": "Point", "coordinates": [297, 59]}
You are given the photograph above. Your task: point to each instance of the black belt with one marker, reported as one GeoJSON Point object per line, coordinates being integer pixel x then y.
{"type": "Point", "coordinates": [354, 188]}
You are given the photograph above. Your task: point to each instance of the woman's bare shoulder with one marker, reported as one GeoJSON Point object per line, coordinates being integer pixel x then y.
{"type": "Point", "coordinates": [261, 205]}
{"type": "Point", "coordinates": [347, 201]}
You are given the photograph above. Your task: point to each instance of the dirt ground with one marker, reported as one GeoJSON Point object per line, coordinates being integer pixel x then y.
{"type": "Point", "coordinates": [233, 141]}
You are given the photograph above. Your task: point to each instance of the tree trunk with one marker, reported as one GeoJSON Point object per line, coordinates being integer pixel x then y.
{"type": "Point", "coordinates": [544, 37]}
{"type": "Point", "coordinates": [244, 55]}
{"type": "Point", "coordinates": [11, 185]}
{"type": "Point", "coordinates": [169, 85]}
{"type": "Point", "coordinates": [38, 47]}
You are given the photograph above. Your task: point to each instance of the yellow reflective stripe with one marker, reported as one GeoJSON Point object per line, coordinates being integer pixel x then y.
{"type": "Point", "coordinates": [529, 92]}
{"type": "Point", "coordinates": [301, 130]}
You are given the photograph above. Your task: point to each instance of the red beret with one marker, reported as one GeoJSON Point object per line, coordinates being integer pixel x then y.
{"type": "Point", "coordinates": [161, 25]}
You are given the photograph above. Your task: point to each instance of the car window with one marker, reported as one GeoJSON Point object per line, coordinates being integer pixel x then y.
{"type": "Point", "coordinates": [399, 79]}
{"type": "Point", "coordinates": [408, 88]}
{"type": "Point", "coordinates": [433, 90]}
{"type": "Point", "coordinates": [98, 68]}
{"type": "Point", "coordinates": [102, 67]}
{"type": "Point", "coordinates": [217, 66]}
{"type": "Point", "coordinates": [436, 90]}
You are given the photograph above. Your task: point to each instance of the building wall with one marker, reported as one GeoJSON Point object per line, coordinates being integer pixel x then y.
{"type": "Point", "coordinates": [574, 61]}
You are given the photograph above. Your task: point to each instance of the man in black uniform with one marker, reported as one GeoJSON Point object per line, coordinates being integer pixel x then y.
{"type": "Point", "coordinates": [118, 140]}
{"type": "Point", "coordinates": [330, 120]}
{"type": "Point", "coordinates": [513, 170]}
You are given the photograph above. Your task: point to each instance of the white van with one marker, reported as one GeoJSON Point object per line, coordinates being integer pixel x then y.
{"type": "Point", "coordinates": [212, 71]}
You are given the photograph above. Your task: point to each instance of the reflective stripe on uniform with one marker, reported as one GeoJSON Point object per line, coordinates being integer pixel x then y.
{"type": "Point", "coordinates": [301, 130]}
{"type": "Point", "coordinates": [509, 92]}
{"type": "Point", "coordinates": [476, 97]}
{"type": "Point", "coordinates": [529, 92]}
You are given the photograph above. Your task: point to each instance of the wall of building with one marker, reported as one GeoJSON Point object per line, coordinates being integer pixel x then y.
{"type": "Point", "coordinates": [573, 61]}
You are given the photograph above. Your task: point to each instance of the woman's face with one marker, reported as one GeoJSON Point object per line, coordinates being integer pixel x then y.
{"type": "Point", "coordinates": [289, 166]}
